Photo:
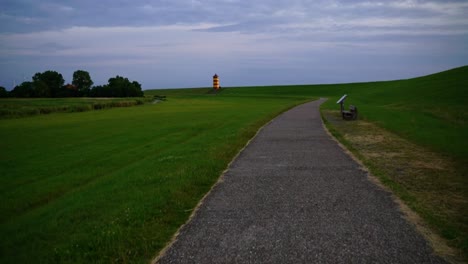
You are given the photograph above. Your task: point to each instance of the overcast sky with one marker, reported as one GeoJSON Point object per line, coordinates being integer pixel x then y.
{"type": "Point", "coordinates": [182, 43]}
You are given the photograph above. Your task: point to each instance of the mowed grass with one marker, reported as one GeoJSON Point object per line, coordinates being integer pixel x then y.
{"type": "Point", "coordinates": [114, 185]}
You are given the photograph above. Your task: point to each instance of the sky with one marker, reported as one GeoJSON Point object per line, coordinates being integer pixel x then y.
{"type": "Point", "coordinates": [183, 43]}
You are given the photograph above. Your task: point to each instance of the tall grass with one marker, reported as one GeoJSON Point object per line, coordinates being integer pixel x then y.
{"type": "Point", "coordinates": [12, 108]}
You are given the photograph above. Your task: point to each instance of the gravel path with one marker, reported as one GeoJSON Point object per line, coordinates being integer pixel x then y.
{"type": "Point", "coordinates": [294, 196]}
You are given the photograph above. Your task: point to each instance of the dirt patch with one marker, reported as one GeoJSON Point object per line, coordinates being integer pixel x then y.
{"type": "Point", "coordinates": [382, 155]}
{"type": "Point", "coordinates": [432, 165]}
{"type": "Point", "coordinates": [368, 139]}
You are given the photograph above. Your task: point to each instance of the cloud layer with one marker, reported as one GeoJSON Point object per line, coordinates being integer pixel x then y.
{"type": "Point", "coordinates": [182, 43]}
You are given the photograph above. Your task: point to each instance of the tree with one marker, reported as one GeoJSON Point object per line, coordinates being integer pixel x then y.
{"type": "Point", "coordinates": [52, 79]}
{"type": "Point", "coordinates": [25, 89]}
{"type": "Point", "coordinates": [100, 91]}
{"type": "Point", "coordinates": [137, 92]}
{"type": "Point", "coordinates": [122, 87]}
{"type": "Point", "coordinates": [82, 80]}
{"type": "Point", "coordinates": [68, 90]}
{"type": "Point", "coordinates": [3, 92]}
{"type": "Point", "coordinates": [41, 89]}
{"type": "Point", "coordinates": [117, 87]}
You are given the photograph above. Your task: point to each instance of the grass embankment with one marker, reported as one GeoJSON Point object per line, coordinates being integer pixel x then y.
{"type": "Point", "coordinates": [16, 107]}
{"type": "Point", "coordinates": [114, 185]}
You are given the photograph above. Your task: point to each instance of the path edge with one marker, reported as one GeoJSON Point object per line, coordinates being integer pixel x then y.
{"type": "Point", "coordinates": [174, 238]}
{"type": "Point", "coordinates": [436, 242]}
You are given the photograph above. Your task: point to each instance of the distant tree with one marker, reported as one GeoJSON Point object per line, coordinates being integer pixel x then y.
{"type": "Point", "coordinates": [68, 90]}
{"type": "Point", "coordinates": [121, 87]}
{"type": "Point", "coordinates": [41, 89]}
{"type": "Point", "coordinates": [52, 79]}
{"type": "Point", "coordinates": [118, 85]}
{"type": "Point", "coordinates": [100, 91]}
{"type": "Point", "coordinates": [82, 80]}
{"type": "Point", "coordinates": [137, 92]}
{"type": "Point", "coordinates": [3, 92]}
{"type": "Point", "coordinates": [25, 89]}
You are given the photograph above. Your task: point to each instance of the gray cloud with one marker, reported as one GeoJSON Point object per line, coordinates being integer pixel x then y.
{"type": "Point", "coordinates": [279, 16]}
{"type": "Point", "coordinates": [196, 37]}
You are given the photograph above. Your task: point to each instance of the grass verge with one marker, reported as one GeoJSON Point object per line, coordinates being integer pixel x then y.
{"type": "Point", "coordinates": [431, 184]}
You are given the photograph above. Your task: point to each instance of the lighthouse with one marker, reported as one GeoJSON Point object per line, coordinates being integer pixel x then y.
{"type": "Point", "coordinates": [216, 82]}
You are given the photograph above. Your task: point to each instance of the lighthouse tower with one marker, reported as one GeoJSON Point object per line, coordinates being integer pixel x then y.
{"type": "Point", "coordinates": [216, 82]}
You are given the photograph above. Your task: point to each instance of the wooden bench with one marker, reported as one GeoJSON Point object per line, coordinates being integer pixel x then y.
{"type": "Point", "coordinates": [352, 114]}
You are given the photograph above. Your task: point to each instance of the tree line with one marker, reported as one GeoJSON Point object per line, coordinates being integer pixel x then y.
{"type": "Point", "coordinates": [51, 84]}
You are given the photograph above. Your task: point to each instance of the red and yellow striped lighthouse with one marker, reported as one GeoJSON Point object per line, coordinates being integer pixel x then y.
{"type": "Point", "coordinates": [215, 82]}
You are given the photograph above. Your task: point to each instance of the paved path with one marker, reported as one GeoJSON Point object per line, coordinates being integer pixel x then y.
{"type": "Point", "coordinates": [294, 196]}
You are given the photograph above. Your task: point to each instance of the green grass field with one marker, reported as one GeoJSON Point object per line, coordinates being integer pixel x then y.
{"type": "Point", "coordinates": [114, 185]}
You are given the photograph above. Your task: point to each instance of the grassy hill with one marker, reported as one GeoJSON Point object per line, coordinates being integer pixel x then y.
{"type": "Point", "coordinates": [429, 110]}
